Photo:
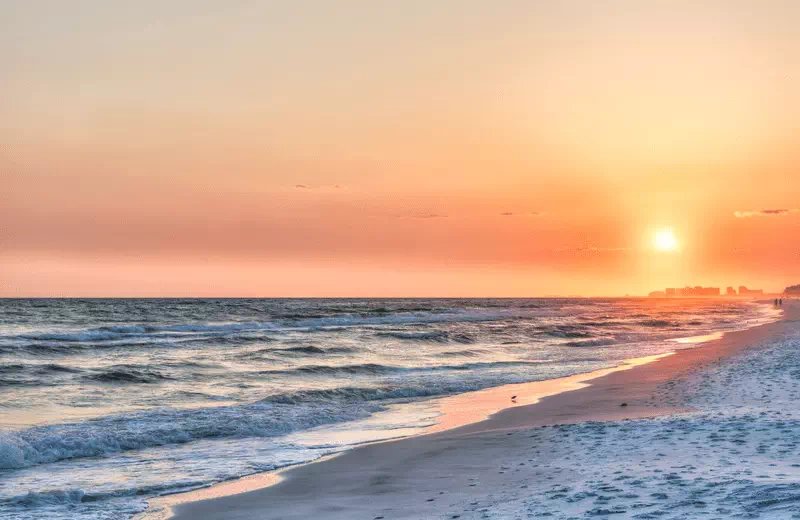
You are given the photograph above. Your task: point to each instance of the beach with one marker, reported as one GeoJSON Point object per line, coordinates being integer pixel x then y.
{"type": "Point", "coordinates": [709, 431]}
{"type": "Point", "coordinates": [111, 405]}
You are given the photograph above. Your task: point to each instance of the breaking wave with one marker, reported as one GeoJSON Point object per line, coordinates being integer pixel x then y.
{"type": "Point", "coordinates": [127, 374]}
{"type": "Point", "coordinates": [432, 336]}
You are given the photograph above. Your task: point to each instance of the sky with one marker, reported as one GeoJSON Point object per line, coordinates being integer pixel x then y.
{"type": "Point", "coordinates": [416, 148]}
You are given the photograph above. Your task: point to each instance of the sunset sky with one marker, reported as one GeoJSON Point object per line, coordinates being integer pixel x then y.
{"type": "Point", "coordinates": [414, 148]}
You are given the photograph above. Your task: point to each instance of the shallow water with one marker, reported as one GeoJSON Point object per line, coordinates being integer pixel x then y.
{"type": "Point", "coordinates": [106, 402]}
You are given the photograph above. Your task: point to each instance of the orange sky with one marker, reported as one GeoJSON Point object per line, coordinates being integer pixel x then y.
{"type": "Point", "coordinates": [452, 148]}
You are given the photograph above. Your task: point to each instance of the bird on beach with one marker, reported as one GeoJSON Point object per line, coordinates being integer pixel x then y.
{"type": "Point", "coordinates": [514, 398]}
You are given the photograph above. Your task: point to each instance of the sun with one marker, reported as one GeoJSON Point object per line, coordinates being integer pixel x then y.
{"type": "Point", "coordinates": [665, 240]}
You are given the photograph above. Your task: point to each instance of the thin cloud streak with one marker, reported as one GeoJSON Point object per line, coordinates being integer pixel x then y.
{"type": "Point", "coordinates": [764, 213]}
{"type": "Point", "coordinates": [428, 216]}
{"type": "Point", "coordinates": [530, 214]}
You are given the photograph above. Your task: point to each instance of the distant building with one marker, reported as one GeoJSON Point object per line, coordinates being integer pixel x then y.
{"type": "Point", "coordinates": [706, 292]}
{"type": "Point", "coordinates": [700, 291]}
{"type": "Point", "coordinates": [744, 291]}
{"type": "Point", "coordinates": [792, 290]}
{"type": "Point", "coordinates": [692, 292]}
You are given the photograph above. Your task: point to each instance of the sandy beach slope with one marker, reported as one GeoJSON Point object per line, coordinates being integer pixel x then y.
{"type": "Point", "coordinates": [711, 431]}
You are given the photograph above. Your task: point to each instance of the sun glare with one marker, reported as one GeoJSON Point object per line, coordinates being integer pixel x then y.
{"type": "Point", "coordinates": [666, 241]}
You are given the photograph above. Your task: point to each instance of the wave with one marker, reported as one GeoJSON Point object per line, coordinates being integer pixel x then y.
{"type": "Point", "coordinates": [435, 336]}
{"type": "Point", "coordinates": [274, 416]}
{"type": "Point", "coordinates": [658, 323]}
{"type": "Point", "coordinates": [463, 353]}
{"type": "Point", "coordinates": [71, 347]}
{"type": "Point", "coordinates": [5, 381]}
{"type": "Point", "coordinates": [77, 337]}
{"type": "Point", "coordinates": [127, 374]}
{"type": "Point", "coordinates": [603, 323]}
{"type": "Point", "coordinates": [127, 329]}
{"type": "Point", "coordinates": [237, 339]}
{"type": "Point", "coordinates": [115, 332]}
{"type": "Point", "coordinates": [565, 331]}
{"type": "Point", "coordinates": [366, 368]}
{"type": "Point", "coordinates": [53, 367]}
{"type": "Point", "coordinates": [377, 369]}
{"type": "Point", "coordinates": [19, 374]}
{"type": "Point", "coordinates": [46, 498]}
{"type": "Point", "coordinates": [107, 333]}
{"type": "Point", "coordinates": [218, 327]}
{"type": "Point", "coordinates": [367, 394]}
{"type": "Point", "coordinates": [410, 318]}
{"type": "Point", "coordinates": [358, 394]}
{"type": "Point", "coordinates": [72, 496]}
{"type": "Point", "coordinates": [597, 342]}
{"type": "Point", "coordinates": [490, 364]}
{"type": "Point", "coordinates": [115, 434]}
{"type": "Point", "coordinates": [308, 350]}
{"type": "Point", "coordinates": [56, 348]}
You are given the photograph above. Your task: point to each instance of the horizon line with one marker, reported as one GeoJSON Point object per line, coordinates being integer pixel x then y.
{"type": "Point", "coordinates": [544, 297]}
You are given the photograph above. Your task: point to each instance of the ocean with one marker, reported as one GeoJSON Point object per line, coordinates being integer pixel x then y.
{"type": "Point", "coordinates": [107, 402]}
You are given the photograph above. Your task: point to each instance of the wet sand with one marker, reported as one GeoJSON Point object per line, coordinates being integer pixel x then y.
{"type": "Point", "coordinates": [426, 476]}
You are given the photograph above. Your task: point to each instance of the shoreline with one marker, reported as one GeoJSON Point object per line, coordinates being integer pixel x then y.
{"type": "Point", "coordinates": [349, 481]}
{"type": "Point", "coordinates": [458, 411]}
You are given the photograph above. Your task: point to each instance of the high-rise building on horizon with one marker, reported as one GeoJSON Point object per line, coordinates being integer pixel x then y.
{"type": "Point", "coordinates": [690, 292]}
{"type": "Point", "coordinates": [744, 291]}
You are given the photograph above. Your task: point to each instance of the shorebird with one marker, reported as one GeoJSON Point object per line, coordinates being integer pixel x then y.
{"type": "Point", "coordinates": [513, 397]}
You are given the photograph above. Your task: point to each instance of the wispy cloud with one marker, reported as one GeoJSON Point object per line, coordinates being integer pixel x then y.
{"type": "Point", "coordinates": [529, 214]}
{"type": "Point", "coordinates": [321, 187]}
{"type": "Point", "coordinates": [416, 216]}
{"type": "Point", "coordinates": [764, 213]}
{"type": "Point", "coordinates": [428, 215]}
